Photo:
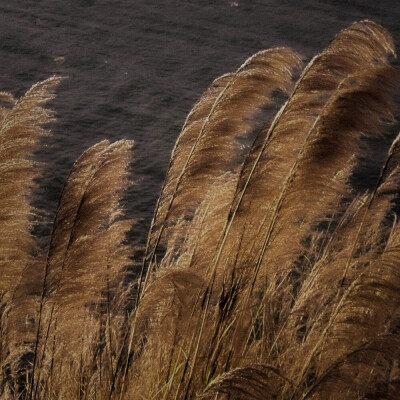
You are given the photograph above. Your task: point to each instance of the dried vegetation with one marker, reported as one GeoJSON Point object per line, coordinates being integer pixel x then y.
{"type": "Point", "coordinates": [269, 271]}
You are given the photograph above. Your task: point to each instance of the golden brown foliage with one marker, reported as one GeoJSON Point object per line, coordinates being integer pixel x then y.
{"type": "Point", "coordinates": [21, 128]}
{"type": "Point", "coordinates": [210, 142]}
{"type": "Point", "coordinates": [279, 276]}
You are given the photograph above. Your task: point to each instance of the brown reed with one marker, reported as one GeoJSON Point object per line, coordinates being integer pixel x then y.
{"type": "Point", "coordinates": [278, 279]}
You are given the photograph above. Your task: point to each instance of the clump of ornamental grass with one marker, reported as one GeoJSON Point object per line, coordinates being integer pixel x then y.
{"type": "Point", "coordinates": [269, 271]}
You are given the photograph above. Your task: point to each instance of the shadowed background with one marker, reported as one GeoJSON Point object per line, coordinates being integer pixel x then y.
{"type": "Point", "coordinates": [136, 67]}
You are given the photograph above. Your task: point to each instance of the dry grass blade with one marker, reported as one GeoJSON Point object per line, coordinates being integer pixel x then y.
{"type": "Point", "coordinates": [63, 228]}
{"type": "Point", "coordinates": [20, 130]}
{"type": "Point", "coordinates": [66, 220]}
{"type": "Point", "coordinates": [183, 147]}
{"type": "Point", "coordinates": [88, 253]}
{"type": "Point", "coordinates": [179, 157]}
{"type": "Point", "coordinates": [216, 147]}
{"type": "Point", "coordinates": [21, 127]}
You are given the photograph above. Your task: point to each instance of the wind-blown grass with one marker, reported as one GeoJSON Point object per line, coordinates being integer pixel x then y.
{"type": "Point", "coordinates": [268, 272]}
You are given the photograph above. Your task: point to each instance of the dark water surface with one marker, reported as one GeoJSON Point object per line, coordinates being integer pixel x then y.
{"type": "Point", "coordinates": [136, 67]}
